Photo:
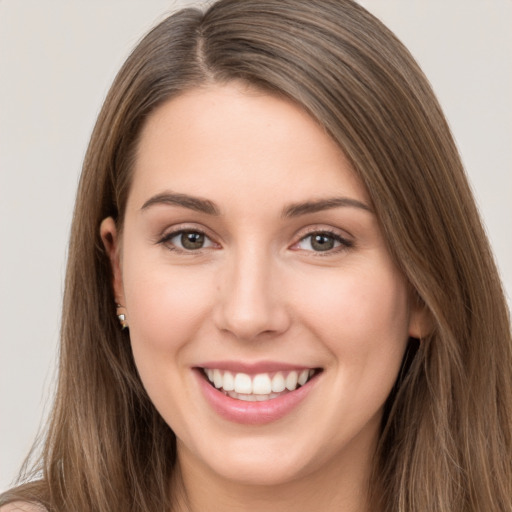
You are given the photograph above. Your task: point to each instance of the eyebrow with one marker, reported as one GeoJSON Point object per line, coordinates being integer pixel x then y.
{"type": "Point", "coordinates": [184, 200]}
{"type": "Point", "coordinates": [294, 210]}
{"type": "Point", "coordinates": [297, 209]}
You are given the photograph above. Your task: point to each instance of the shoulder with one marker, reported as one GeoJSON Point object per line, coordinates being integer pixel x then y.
{"type": "Point", "coordinates": [22, 506]}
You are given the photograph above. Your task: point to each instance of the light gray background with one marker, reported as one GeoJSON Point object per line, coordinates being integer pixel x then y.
{"type": "Point", "coordinates": [57, 60]}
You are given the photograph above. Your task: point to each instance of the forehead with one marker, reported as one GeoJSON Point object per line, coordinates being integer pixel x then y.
{"type": "Point", "coordinates": [221, 138]}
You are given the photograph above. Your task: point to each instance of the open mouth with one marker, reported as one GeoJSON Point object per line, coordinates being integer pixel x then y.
{"type": "Point", "coordinates": [261, 386]}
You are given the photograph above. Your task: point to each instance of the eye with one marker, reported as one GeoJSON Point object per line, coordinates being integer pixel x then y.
{"type": "Point", "coordinates": [187, 240]}
{"type": "Point", "coordinates": [322, 241]}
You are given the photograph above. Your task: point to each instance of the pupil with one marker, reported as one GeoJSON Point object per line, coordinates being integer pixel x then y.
{"type": "Point", "coordinates": [322, 242]}
{"type": "Point", "coordinates": [192, 240]}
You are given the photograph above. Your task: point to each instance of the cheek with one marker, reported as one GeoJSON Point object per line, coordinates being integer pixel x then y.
{"type": "Point", "coordinates": [362, 320]}
{"type": "Point", "coordinates": [360, 315]}
{"type": "Point", "coordinates": [166, 309]}
{"type": "Point", "coordinates": [165, 306]}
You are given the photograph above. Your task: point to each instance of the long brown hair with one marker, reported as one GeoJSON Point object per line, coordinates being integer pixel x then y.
{"type": "Point", "coordinates": [446, 441]}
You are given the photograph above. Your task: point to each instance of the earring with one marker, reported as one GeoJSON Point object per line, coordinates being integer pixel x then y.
{"type": "Point", "coordinates": [121, 316]}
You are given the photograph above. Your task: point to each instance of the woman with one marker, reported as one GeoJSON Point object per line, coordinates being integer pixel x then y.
{"type": "Point", "coordinates": [279, 293]}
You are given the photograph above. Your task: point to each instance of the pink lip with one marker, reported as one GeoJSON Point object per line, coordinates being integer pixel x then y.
{"type": "Point", "coordinates": [252, 413]}
{"type": "Point", "coordinates": [252, 368]}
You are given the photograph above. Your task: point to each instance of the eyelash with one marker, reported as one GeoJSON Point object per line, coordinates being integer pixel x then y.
{"type": "Point", "coordinates": [166, 240]}
{"type": "Point", "coordinates": [344, 244]}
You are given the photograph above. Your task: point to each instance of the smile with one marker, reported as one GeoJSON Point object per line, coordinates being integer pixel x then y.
{"type": "Point", "coordinates": [255, 393]}
{"type": "Point", "coordinates": [259, 387]}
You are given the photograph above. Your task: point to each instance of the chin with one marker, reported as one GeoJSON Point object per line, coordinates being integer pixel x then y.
{"type": "Point", "coordinates": [257, 461]}
{"type": "Point", "coordinates": [259, 473]}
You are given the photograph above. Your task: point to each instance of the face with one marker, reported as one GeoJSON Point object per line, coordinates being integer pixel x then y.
{"type": "Point", "coordinates": [267, 319]}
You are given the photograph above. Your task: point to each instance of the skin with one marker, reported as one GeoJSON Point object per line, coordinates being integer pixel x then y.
{"type": "Point", "coordinates": [21, 506]}
{"type": "Point", "coordinates": [258, 290]}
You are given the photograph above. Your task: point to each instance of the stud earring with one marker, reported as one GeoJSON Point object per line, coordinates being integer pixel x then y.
{"type": "Point", "coordinates": [121, 316]}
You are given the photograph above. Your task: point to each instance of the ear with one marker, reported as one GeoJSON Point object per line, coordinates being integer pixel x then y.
{"type": "Point", "coordinates": [110, 238]}
{"type": "Point", "coordinates": [420, 319]}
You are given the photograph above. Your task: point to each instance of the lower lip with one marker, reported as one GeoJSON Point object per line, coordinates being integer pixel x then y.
{"type": "Point", "coordinates": [253, 413]}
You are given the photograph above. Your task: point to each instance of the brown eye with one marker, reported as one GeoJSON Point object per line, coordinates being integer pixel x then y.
{"type": "Point", "coordinates": [187, 241]}
{"type": "Point", "coordinates": [192, 240]}
{"type": "Point", "coordinates": [323, 241]}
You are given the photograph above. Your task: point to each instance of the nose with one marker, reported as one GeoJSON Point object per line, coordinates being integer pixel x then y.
{"type": "Point", "coordinates": [251, 301]}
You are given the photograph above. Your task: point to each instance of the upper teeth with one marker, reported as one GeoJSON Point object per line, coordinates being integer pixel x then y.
{"type": "Point", "coordinates": [260, 384]}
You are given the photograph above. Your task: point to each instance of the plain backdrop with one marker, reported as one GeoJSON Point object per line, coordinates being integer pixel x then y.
{"type": "Point", "coordinates": [57, 60]}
